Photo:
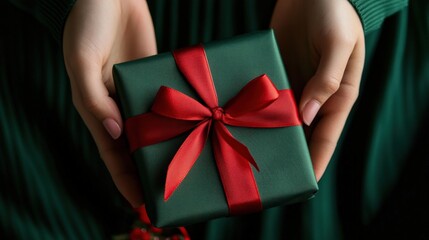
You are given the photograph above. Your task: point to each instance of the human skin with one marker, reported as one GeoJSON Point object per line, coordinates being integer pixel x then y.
{"type": "Point", "coordinates": [323, 48]}
{"type": "Point", "coordinates": [98, 34]}
{"type": "Point", "coordinates": [322, 45]}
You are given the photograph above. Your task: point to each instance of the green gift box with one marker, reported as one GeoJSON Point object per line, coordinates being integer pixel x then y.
{"type": "Point", "coordinates": [285, 171]}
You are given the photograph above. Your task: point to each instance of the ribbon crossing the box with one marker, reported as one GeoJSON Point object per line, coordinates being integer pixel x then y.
{"type": "Point", "coordinates": [259, 104]}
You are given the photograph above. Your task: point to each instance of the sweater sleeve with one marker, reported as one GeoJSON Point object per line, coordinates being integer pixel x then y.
{"type": "Point", "coordinates": [373, 12]}
{"type": "Point", "coordinates": [51, 13]}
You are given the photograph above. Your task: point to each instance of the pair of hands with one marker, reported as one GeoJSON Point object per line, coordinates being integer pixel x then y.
{"type": "Point", "coordinates": [321, 41]}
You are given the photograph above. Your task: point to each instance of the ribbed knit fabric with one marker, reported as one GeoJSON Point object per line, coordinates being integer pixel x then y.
{"type": "Point", "coordinates": [54, 186]}
{"type": "Point", "coordinates": [51, 13]}
{"type": "Point", "coordinates": [373, 13]}
{"type": "Point", "coordinates": [181, 23]}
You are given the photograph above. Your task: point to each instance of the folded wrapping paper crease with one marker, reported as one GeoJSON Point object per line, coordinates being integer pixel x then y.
{"type": "Point", "coordinates": [259, 104]}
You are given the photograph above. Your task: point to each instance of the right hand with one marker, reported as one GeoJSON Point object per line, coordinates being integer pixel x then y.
{"type": "Point", "coordinates": [323, 48]}
{"type": "Point", "coordinates": [98, 34]}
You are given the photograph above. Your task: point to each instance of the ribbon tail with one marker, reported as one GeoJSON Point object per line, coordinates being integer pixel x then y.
{"type": "Point", "coordinates": [185, 158]}
{"type": "Point", "coordinates": [232, 159]}
{"type": "Point", "coordinates": [237, 146]}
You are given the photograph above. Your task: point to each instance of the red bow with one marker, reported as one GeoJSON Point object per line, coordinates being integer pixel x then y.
{"type": "Point", "coordinates": [259, 105]}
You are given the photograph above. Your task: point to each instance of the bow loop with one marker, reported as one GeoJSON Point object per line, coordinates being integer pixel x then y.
{"type": "Point", "coordinates": [258, 104]}
{"type": "Point", "coordinates": [166, 104]}
{"type": "Point", "coordinates": [256, 95]}
{"type": "Point", "coordinates": [150, 128]}
{"type": "Point", "coordinates": [279, 113]}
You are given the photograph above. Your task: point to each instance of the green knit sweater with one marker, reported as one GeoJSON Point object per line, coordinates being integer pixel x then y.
{"type": "Point", "coordinates": [54, 186]}
{"type": "Point", "coordinates": [53, 13]}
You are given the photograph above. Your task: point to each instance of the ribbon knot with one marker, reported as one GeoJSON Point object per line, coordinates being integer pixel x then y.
{"type": "Point", "coordinates": [259, 104]}
{"type": "Point", "coordinates": [217, 113]}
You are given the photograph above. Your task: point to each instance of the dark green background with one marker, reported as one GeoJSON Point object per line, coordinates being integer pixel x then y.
{"type": "Point", "coordinates": [53, 185]}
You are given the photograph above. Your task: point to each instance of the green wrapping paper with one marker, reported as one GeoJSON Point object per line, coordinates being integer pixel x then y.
{"type": "Point", "coordinates": [286, 174]}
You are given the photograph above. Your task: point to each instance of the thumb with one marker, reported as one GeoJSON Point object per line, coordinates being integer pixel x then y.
{"type": "Point", "coordinates": [325, 82]}
{"type": "Point", "coordinates": [96, 99]}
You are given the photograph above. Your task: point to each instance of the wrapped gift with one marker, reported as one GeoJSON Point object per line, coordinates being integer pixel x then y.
{"type": "Point", "coordinates": [214, 130]}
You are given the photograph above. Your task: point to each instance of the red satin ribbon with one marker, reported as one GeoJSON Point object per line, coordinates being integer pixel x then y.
{"type": "Point", "coordinates": [259, 105]}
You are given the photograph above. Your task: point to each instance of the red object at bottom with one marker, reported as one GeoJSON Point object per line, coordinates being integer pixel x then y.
{"type": "Point", "coordinates": [149, 231]}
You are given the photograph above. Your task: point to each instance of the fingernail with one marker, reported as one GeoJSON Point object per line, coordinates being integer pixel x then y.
{"type": "Point", "coordinates": [310, 111]}
{"type": "Point", "coordinates": [112, 128]}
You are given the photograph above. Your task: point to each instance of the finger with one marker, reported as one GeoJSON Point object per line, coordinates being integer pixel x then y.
{"type": "Point", "coordinates": [323, 140]}
{"type": "Point", "coordinates": [122, 169]}
{"type": "Point", "coordinates": [115, 156]}
{"type": "Point", "coordinates": [327, 79]}
{"type": "Point", "coordinates": [334, 113]}
{"type": "Point", "coordinates": [118, 162]}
